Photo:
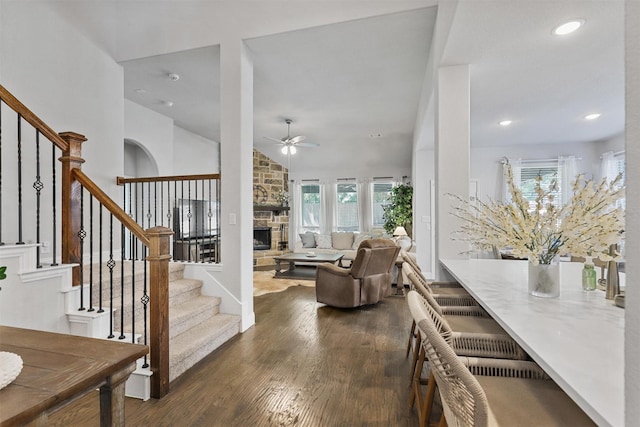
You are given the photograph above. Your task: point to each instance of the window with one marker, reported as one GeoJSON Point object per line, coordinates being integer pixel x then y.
{"type": "Point", "coordinates": [347, 207]}
{"type": "Point", "coordinates": [310, 204]}
{"type": "Point", "coordinates": [380, 193]}
{"type": "Point", "coordinates": [527, 182]}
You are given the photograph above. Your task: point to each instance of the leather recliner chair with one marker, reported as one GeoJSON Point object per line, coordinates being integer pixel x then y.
{"type": "Point", "coordinates": [367, 281]}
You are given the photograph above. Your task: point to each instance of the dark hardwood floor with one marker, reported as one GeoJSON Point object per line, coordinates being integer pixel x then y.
{"type": "Point", "coordinates": [302, 364]}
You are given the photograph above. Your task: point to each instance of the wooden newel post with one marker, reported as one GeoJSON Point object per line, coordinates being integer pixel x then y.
{"type": "Point", "coordinates": [71, 192]}
{"type": "Point", "coordinates": [159, 308]}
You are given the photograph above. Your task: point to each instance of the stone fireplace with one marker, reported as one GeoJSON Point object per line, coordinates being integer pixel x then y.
{"type": "Point", "coordinates": [269, 216]}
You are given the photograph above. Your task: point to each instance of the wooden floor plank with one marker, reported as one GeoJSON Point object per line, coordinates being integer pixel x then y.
{"type": "Point", "coordinates": [302, 364]}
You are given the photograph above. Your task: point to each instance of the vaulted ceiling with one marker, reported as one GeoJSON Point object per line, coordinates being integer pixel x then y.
{"type": "Point", "coordinates": [350, 77]}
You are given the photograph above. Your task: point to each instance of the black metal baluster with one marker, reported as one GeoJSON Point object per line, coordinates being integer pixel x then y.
{"type": "Point", "coordinates": [199, 253]}
{"type": "Point", "coordinates": [145, 303]}
{"type": "Point", "coordinates": [155, 204]}
{"type": "Point", "coordinates": [38, 186]}
{"type": "Point", "coordinates": [122, 242]}
{"type": "Point", "coordinates": [19, 242]}
{"type": "Point", "coordinates": [81, 234]}
{"type": "Point", "coordinates": [110, 264]}
{"type": "Point", "coordinates": [91, 253]}
{"type": "Point", "coordinates": [131, 239]}
{"type": "Point", "coordinates": [100, 288]}
{"type": "Point", "coordinates": [189, 216]}
{"type": "Point", "coordinates": [149, 216]}
{"type": "Point", "coordinates": [212, 247]}
{"type": "Point", "coordinates": [218, 242]}
{"type": "Point", "coordinates": [169, 206]}
{"type": "Point", "coordinates": [54, 240]}
{"type": "Point", "coordinates": [135, 212]}
{"type": "Point", "coordinates": [133, 298]}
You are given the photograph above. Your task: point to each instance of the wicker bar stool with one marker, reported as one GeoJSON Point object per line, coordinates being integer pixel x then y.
{"type": "Point", "coordinates": [490, 392]}
{"type": "Point", "coordinates": [477, 334]}
{"type": "Point", "coordinates": [485, 339]}
{"type": "Point", "coordinates": [445, 293]}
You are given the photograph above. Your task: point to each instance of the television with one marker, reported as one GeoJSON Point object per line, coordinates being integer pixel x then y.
{"type": "Point", "coordinates": [195, 219]}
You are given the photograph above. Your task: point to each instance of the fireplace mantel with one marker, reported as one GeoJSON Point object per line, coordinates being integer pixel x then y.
{"type": "Point", "coordinates": [276, 209]}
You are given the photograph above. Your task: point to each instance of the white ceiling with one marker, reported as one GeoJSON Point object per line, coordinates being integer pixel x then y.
{"type": "Point", "coordinates": [342, 82]}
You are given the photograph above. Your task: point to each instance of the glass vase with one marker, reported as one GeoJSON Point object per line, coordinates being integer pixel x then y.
{"type": "Point", "coordinates": [544, 280]}
{"type": "Point", "coordinates": [588, 276]}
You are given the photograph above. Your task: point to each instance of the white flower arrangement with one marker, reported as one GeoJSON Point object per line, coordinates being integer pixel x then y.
{"type": "Point", "coordinates": [586, 226]}
{"type": "Point", "coordinates": [281, 196]}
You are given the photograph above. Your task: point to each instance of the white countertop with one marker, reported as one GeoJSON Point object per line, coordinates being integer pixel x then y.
{"type": "Point", "coordinates": [578, 338]}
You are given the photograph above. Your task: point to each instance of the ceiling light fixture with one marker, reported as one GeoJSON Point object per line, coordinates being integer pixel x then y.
{"type": "Point", "coordinates": [174, 77]}
{"type": "Point", "coordinates": [167, 103]}
{"type": "Point", "coordinates": [288, 149]}
{"type": "Point", "coordinates": [505, 122]}
{"type": "Point", "coordinates": [139, 91]}
{"type": "Point", "coordinates": [592, 116]}
{"type": "Point", "coordinates": [568, 27]}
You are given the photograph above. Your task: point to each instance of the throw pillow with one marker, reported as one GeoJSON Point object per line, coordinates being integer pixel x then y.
{"type": "Point", "coordinates": [323, 241]}
{"type": "Point", "coordinates": [308, 239]}
{"type": "Point", "coordinates": [359, 238]}
{"type": "Point", "coordinates": [342, 240]}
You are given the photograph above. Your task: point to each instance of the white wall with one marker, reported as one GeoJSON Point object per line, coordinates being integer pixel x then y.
{"type": "Point", "coordinates": [152, 131]}
{"type": "Point", "coordinates": [487, 169]}
{"type": "Point", "coordinates": [632, 315]}
{"type": "Point", "coordinates": [65, 81]}
{"type": "Point", "coordinates": [194, 154]}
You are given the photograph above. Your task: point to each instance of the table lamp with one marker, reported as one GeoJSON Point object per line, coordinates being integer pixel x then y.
{"type": "Point", "coordinates": [402, 238]}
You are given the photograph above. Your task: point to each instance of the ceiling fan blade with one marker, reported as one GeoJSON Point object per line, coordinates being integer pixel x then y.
{"type": "Point", "coordinates": [297, 139]}
{"type": "Point", "coordinates": [307, 144]}
{"type": "Point", "coordinates": [279, 141]}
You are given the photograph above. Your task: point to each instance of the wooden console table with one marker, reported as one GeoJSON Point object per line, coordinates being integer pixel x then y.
{"type": "Point", "coordinates": [59, 368]}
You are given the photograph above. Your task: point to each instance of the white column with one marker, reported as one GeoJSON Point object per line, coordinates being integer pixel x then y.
{"type": "Point", "coordinates": [236, 168]}
{"type": "Point", "coordinates": [632, 244]}
{"type": "Point", "coordinates": [452, 155]}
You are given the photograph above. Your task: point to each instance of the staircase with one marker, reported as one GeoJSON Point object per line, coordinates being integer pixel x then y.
{"type": "Point", "coordinates": [196, 326]}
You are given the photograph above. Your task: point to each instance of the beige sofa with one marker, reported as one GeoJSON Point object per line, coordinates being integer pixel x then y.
{"type": "Point", "coordinates": [346, 242]}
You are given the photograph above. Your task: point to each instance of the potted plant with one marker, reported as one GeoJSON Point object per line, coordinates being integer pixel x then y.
{"type": "Point", "coordinates": [399, 211]}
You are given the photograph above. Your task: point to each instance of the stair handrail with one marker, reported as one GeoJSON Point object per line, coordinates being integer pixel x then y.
{"type": "Point", "coordinates": [112, 206]}
{"type": "Point", "coordinates": [32, 119]}
{"type": "Point", "coordinates": [156, 238]}
{"type": "Point", "coordinates": [122, 180]}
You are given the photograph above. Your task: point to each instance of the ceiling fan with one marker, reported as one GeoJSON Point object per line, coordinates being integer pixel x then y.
{"type": "Point", "coordinates": [290, 143]}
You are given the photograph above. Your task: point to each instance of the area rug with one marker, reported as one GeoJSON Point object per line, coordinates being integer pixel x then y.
{"type": "Point", "coordinates": [265, 283]}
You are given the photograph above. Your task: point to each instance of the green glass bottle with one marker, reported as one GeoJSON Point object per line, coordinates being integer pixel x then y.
{"type": "Point", "coordinates": [588, 277]}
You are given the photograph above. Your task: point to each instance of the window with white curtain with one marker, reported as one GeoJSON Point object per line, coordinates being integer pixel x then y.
{"type": "Point", "coordinates": [529, 173]}
{"type": "Point", "coordinates": [310, 203]}
{"type": "Point", "coordinates": [380, 193]}
{"type": "Point", "coordinates": [346, 208]}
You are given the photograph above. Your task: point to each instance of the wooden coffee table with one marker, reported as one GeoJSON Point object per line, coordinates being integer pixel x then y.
{"type": "Point", "coordinates": [301, 273]}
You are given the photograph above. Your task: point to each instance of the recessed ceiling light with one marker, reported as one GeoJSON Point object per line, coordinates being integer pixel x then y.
{"type": "Point", "coordinates": [139, 91]}
{"type": "Point", "coordinates": [167, 103]}
{"type": "Point", "coordinates": [173, 76]}
{"type": "Point", "coordinates": [592, 116]}
{"type": "Point", "coordinates": [568, 27]}
{"type": "Point", "coordinates": [505, 122]}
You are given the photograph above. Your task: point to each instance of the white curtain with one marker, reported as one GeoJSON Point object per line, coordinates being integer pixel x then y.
{"type": "Point", "coordinates": [327, 206]}
{"type": "Point", "coordinates": [608, 166]}
{"type": "Point", "coordinates": [295, 217]}
{"type": "Point", "coordinates": [364, 205]}
{"type": "Point", "coordinates": [516, 165]}
{"type": "Point", "coordinates": [567, 171]}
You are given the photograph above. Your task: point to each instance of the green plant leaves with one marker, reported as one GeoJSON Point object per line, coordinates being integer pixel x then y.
{"type": "Point", "coordinates": [3, 274]}
{"type": "Point", "coordinates": [399, 211]}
